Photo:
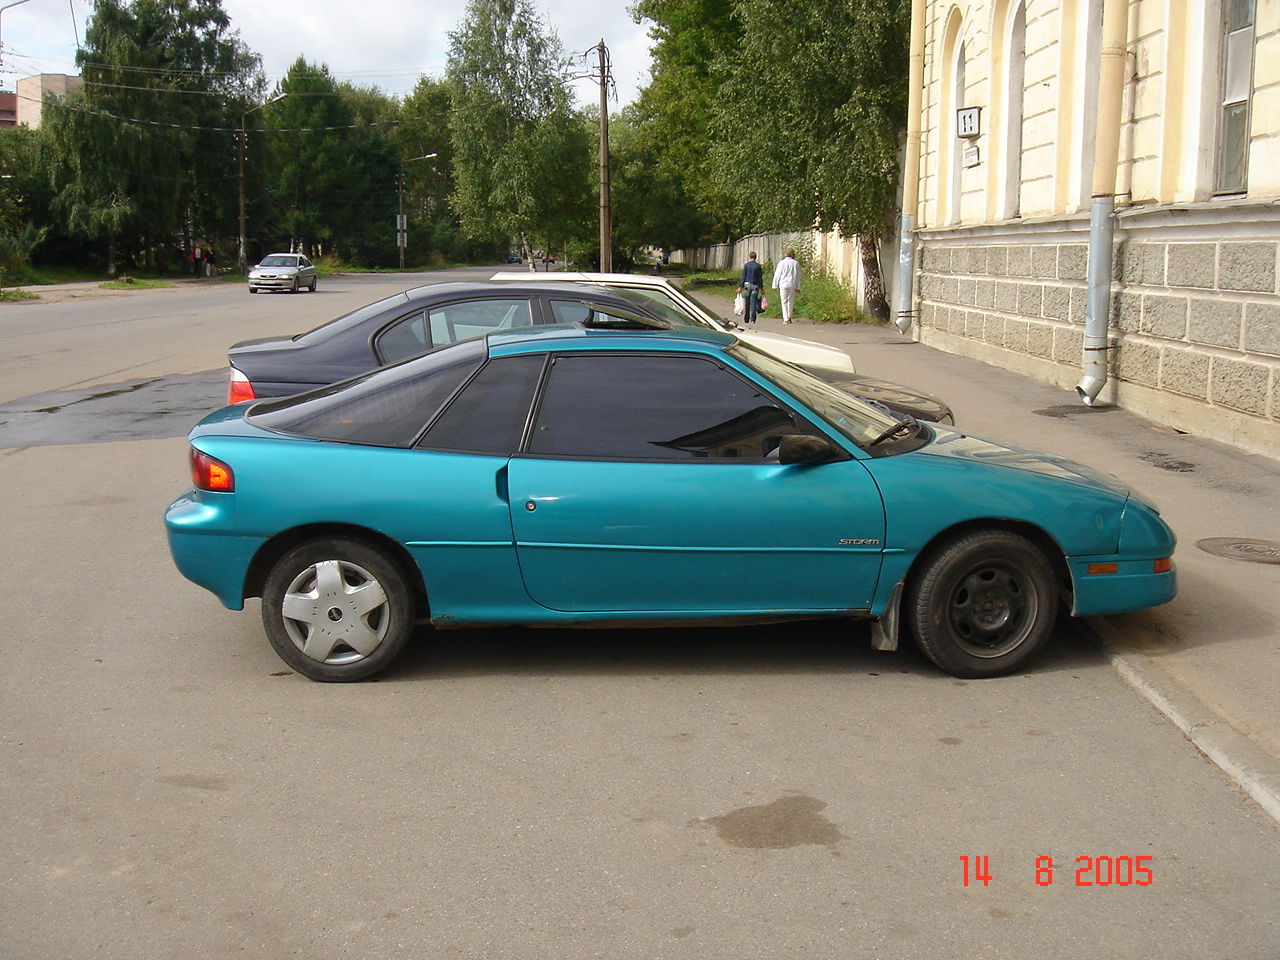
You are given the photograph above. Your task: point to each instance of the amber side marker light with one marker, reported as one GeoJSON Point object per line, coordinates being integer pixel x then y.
{"type": "Point", "coordinates": [1163, 565]}
{"type": "Point", "coordinates": [1096, 568]}
{"type": "Point", "coordinates": [210, 474]}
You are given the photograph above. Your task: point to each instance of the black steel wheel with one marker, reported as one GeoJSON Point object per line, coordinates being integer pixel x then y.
{"type": "Point", "coordinates": [983, 604]}
{"type": "Point", "coordinates": [336, 610]}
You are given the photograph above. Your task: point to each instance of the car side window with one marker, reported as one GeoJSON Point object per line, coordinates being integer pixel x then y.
{"type": "Point", "coordinates": [645, 407]}
{"type": "Point", "coordinates": [575, 311]}
{"type": "Point", "coordinates": [475, 318]}
{"type": "Point", "coordinates": [406, 338]}
{"type": "Point", "coordinates": [489, 415]}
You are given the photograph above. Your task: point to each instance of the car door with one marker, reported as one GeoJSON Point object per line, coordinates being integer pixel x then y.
{"type": "Point", "coordinates": [650, 483]}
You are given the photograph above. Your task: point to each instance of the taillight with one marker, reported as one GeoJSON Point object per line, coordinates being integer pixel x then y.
{"type": "Point", "coordinates": [210, 474]}
{"type": "Point", "coordinates": [239, 389]}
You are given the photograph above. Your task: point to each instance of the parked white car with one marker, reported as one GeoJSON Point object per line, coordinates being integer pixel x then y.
{"type": "Point", "coordinates": [664, 299]}
{"type": "Point", "coordinates": [283, 271]}
{"type": "Point", "coordinates": [661, 296]}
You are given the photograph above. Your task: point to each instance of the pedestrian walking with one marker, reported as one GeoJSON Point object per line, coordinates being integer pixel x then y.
{"type": "Point", "coordinates": [210, 260]}
{"type": "Point", "coordinates": [750, 286]}
{"type": "Point", "coordinates": [197, 261]}
{"type": "Point", "coordinates": [786, 280]}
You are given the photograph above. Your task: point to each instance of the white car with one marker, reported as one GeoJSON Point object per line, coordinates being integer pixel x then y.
{"type": "Point", "coordinates": [661, 296]}
{"type": "Point", "coordinates": [283, 271]}
{"type": "Point", "coordinates": [664, 299]}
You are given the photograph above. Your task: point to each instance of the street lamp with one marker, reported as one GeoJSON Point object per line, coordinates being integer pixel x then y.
{"type": "Point", "coordinates": [243, 135]}
{"type": "Point", "coordinates": [402, 225]}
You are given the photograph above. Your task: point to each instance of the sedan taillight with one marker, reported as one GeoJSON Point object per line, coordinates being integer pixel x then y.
{"type": "Point", "coordinates": [208, 473]}
{"type": "Point", "coordinates": [239, 389]}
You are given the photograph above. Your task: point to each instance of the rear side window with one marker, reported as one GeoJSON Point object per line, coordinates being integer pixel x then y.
{"type": "Point", "coordinates": [388, 407]}
{"type": "Point", "coordinates": [490, 414]}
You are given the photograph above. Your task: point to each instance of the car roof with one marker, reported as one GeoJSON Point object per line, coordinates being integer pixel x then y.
{"type": "Point", "coordinates": [568, 336]}
{"type": "Point", "coordinates": [491, 288]}
{"type": "Point", "coordinates": [627, 279]}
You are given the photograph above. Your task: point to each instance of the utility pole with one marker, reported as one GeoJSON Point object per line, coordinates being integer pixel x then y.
{"type": "Point", "coordinates": [606, 212]}
{"type": "Point", "coordinates": [402, 224]}
{"type": "Point", "coordinates": [240, 252]}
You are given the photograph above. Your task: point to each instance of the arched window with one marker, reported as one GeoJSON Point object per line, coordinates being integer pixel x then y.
{"type": "Point", "coordinates": [957, 142]}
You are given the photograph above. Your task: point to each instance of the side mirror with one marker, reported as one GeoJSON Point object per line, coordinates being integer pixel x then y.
{"type": "Point", "coordinates": [803, 448]}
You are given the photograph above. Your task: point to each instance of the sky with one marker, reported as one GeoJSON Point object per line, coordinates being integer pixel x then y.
{"type": "Point", "coordinates": [384, 43]}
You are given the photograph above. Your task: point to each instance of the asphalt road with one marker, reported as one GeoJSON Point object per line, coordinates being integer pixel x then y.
{"type": "Point", "coordinates": [170, 790]}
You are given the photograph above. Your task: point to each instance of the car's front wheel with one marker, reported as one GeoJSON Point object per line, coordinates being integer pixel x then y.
{"type": "Point", "coordinates": [983, 604]}
{"type": "Point", "coordinates": [294, 288]}
{"type": "Point", "coordinates": [336, 610]}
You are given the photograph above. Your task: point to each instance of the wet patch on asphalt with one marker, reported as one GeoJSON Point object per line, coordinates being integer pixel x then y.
{"type": "Point", "coordinates": [790, 822]}
{"type": "Point", "coordinates": [148, 409]}
{"type": "Point", "coordinates": [1166, 462]}
{"type": "Point", "coordinates": [1063, 410]}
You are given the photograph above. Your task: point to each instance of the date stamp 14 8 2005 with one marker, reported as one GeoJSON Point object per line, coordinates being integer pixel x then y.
{"type": "Point", "coordinates": [1123, 871]}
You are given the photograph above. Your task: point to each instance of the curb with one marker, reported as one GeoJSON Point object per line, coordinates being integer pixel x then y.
{"type": "Point", "coordinates": [1250, 767]}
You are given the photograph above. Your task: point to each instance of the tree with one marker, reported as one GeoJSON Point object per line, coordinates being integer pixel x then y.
{"type": "Point", "coordinates": [832, 83]}
{"type": "Point", "coordinates": [336, 168]}
{"type": "Point", "coordinates": [428, 183]}
{"type": "Point", "coordinates": [146, 146]}
{"type": "Point", "coordinates": [521, 166]}
{"type": "Point", "coordinates": [19, 200]}
{"type": "Point", "coordinates": [695, 42]}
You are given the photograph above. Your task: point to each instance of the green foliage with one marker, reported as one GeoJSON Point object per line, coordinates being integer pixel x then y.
{"type": "Point", "coordinates": [147, 142]}
{"type": "Point", "coordinates": [522, 160]}
{"type": "Point", "coordinates": [694, 43]}
{"type": "Point", "coordinates": [19, 198]}
{"type": "Point", "coordinates": [133, 283]}
{"type": "Point", "coordinates": [808, 126]}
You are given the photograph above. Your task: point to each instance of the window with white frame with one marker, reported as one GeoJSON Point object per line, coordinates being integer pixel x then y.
{"type": "Point", "coordinates": [1236, 75]}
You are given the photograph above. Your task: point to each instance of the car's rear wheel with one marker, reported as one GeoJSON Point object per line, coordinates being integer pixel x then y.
{"type": "Point", "coordinates": [312, 288]}
{"type": "Point", "coordinates": [983, 604]}
{"type": "Point", "coordinates": [336, 610]}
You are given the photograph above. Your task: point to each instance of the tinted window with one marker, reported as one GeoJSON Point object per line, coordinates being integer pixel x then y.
{"type": "Point", "coordinates": [657, 302]}
{"type": "Point", "coordinates": [406, 338]}
{"type": "Point", "coordinates": [655, 408]}
{"type": "Point", "coordinates": [575, 311]}
{"type": "Point", "coordinates": [490, 414]}
{"type": "Point", "coordinates": [458, 321]}
{"type": "Point", "coordinates": [388, 407]}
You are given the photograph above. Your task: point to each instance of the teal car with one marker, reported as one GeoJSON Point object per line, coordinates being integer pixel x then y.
{"type": "Point", "coordinates": [567, 476]}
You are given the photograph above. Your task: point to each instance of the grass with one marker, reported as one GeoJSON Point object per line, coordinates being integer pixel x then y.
{"type": "Point", "coordinates": [16, 296]}
{"type": "Point", "coordinates": [822, 298]}
{"type": "Point", "coordinates": [133, 283]}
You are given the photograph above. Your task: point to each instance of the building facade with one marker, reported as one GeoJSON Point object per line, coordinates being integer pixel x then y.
{"type": "Point", "coordinates": [1010, 120]}
{"type": "Point", "coordinates": [34, 92]}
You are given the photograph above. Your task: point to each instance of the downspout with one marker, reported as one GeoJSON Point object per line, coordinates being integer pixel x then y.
{"type": "Point", "coordinates": [1106, 156]}
{"type": "Point", "coordinates": [905, 280]}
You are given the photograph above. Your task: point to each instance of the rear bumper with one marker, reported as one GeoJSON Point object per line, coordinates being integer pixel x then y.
{"type": "Point", "coordinates": [204, 553]}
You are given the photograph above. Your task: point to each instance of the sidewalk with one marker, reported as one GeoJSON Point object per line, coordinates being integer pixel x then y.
{"type": "Point", "coordinates": [1210, 660]}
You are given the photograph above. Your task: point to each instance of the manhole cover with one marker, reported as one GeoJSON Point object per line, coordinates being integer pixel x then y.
{"type": "Point", "coordinates": [1242, 548]}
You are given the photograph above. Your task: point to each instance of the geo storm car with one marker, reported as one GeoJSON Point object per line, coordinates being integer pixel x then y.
{"type": "Point", "coordinates": [568, 476]}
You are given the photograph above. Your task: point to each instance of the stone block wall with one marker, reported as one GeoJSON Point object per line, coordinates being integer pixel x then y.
{"type": "Point", "coordinates": [1195, 311]}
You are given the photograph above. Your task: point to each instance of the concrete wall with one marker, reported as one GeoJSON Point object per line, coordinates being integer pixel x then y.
{"type": "Point", "coordinates": [34, 91]}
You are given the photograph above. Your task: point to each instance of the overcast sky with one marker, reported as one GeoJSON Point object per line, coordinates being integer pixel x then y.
{"type": "Point", "coordinates": [387, 43]}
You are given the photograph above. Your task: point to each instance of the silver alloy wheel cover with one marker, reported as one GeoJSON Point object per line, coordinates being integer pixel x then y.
{"type": "Point", "coordinates": [335, 612]}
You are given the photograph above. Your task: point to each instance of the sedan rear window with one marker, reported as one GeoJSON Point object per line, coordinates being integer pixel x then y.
{"type": "Point", "coordinates": [388, 407]}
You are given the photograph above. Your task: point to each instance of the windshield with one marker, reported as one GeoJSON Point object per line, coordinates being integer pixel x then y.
{"type": "Point", "coordinates": [658, 303]}
{"type": "Point", "coordinates": [858, 421]}
{"type": "Point", "coordinates": [277, 260]}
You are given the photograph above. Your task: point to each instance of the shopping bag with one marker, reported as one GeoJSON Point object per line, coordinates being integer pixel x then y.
{"type": "Point", "coordinates": [739, 305]}
{"type": "Point", "coordinates": [764, 303]}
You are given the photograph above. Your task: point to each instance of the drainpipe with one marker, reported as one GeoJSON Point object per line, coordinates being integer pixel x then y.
{"type": "Point", "coordinates": [905, 280]}
{"type": "Point", "coordinates": [1106, 156]}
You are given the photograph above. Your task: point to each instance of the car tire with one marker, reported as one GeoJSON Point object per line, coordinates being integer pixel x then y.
{"type": "Point", "coordinates": [337, 610]}
{"type": "Point", "coordinates": [982, 604]}
{"type": "Point", "coordinates": [312, 288]}
{"type": "Point", "coordinates": [294, 288]}
{"type": "Point", "coordinates": [253, 289]}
